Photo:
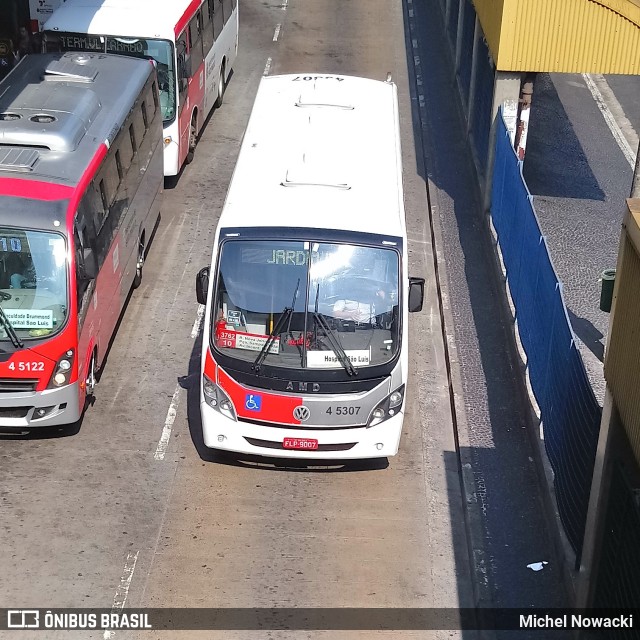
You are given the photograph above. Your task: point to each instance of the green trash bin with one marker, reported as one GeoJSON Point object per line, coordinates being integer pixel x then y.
{"type": "Point", "coordinates": [608, 279]}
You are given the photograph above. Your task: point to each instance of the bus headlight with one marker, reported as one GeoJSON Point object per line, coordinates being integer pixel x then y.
{"type": "Point", "coordinates": [216, 398]}
{"type": "Point", "coordinates": [62, 372]}
{"type": "Point", "coordinates": [388, 408]}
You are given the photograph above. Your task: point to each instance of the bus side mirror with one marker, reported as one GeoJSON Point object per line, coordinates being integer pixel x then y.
{"type": "Point", "coordinates": [202, 285]}
{"type": "Point", "coordinates": [90, 271]}
{"type": "Point", "coordinates": [416, 294]}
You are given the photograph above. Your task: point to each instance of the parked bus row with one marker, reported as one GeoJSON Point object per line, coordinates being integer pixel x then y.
{"type": "Point", "coordinates": [305, 348]}
{"type": "Point", "coordinates": [85, 140]}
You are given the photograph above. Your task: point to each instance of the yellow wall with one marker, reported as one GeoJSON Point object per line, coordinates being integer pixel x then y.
{"type": "Point", "coordinates": [622, 361]}
{"type": "Point", "coordinates": [567, 36]}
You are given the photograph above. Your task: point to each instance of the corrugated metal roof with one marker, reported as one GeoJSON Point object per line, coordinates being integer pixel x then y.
{"type": "Point", "coordinates": [571, 36]}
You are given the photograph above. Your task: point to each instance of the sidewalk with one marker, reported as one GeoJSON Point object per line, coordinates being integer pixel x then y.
{"type": "Point", "coordinates": [579, 178]}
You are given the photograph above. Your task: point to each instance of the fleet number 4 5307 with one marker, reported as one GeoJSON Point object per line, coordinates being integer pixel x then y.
{"type": "Point", "coordinates": [343, 411]}
{"type": "Point", "coordinates": [26, 366]}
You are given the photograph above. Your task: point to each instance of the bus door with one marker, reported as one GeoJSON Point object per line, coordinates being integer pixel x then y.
{"type": "Point", "coordinates": [184, 108]}
{"type": "Point", "coordinates": [196, 66]}
{"type": "Point", "coordinates": [190, 80]}
{"type": "Point", "coordinates": [89, 317]}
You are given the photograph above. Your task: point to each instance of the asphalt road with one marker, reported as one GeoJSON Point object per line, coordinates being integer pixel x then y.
{"type": "Point", "coordinates": [113, 516]}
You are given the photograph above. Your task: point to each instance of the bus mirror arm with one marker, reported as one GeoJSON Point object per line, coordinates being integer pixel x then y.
{"type": "Point", "coordinates": [416, 294]}
{"type": "Point", "coordinates": [202, 285]}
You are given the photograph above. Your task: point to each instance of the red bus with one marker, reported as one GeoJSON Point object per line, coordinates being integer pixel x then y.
{"type": "Point", "coordinates": [193, 42]}
{"type": "Point", "coordinates": [81, 178]}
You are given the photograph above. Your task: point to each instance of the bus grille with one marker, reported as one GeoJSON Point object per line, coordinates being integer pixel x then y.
{"type": "Point", "coordinates": [269, 444]}
{"type": "Point", "coordinates": [306, 427]}
{"type": "Point", "coordinates": [14, 385]}
{"type": "Point", "coordinates": [14, 412]}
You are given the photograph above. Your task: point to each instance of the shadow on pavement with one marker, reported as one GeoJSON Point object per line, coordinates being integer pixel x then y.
{"type": "Point", "coordinates": [555, 164]}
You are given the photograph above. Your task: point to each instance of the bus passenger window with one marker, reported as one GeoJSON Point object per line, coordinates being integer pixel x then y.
{"type": "Point", "coordinates": [227, 9]}
{"type": "Point", "coordinates": [218, 19]}
{"type": "Point", "coordinates": [143, 109]}
{"type": "Point", "coordinates": [183, 71]}
{"type": "Point", "coordinates": [132, 137]}
{"type": "Point", "coordinates": [195, 40]}
{"type": "Point", "coordinates": [119, 166]}
{"type": "Point", "coordinates": [207, 27]}
{"type": "Point", "coordinates": [103, 196]}
{"type": "Point", "coordinates": [154, 94]}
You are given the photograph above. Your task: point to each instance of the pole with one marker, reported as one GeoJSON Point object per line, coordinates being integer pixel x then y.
{"type": "Point", "coordinates": [635, 184]}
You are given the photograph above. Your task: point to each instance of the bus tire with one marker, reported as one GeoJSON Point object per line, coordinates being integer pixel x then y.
{"type": "Point", "coordinates": [222, 85]}
{"type": "Point", "coordinates": [137, 279]}
{"type": "Point", "coordinates": [91, 379]}
{"type": "Point", "coordinates": [193, 138]}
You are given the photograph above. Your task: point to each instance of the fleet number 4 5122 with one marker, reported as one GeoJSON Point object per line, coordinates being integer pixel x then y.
{"type": "Point", "coordinates": [26, 366]}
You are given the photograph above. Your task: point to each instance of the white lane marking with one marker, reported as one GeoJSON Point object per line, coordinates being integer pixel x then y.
{"type": "Point", "coordinates": [122, 591]}
{"type": "Point", "coordinates": [283, 6]}
{"type": "Point", "coordinates": [161, 449]}
{"type": "Point", "coordinates": [610, 120]}
{"type": "Point", "coordinates": [276, 33]}
{"type": "Point", "coordinates": [267, 67]}
{"type": "Point", "coordinates": [198, 321]}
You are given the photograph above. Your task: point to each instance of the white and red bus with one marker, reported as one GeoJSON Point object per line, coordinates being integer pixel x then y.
{"type": "Point", "coordinates": [193, 42]}
{"type": "Point", "coordinates": [305, 336]}
{"type": "Point", "coordinates": [81, 182]}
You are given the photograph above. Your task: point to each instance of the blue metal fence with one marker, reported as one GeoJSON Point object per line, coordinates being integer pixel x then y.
{"type": "Point", "coordinates": [570, 413]}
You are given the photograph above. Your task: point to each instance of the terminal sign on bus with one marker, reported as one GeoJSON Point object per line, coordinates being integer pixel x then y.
{"type": "Point", "coordinates": [86, 42]}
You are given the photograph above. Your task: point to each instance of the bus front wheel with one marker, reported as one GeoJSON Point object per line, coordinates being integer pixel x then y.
{"type": "Point", "coordinates": [90, 383]}
{"type": "Point", "coordinates": [193, 138]}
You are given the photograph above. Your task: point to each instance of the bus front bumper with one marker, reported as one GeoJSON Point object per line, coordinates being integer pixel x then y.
{"type": "Point", "coordinates": [355, 443]}
{"type": "Point", "coordinates": [50, 408]}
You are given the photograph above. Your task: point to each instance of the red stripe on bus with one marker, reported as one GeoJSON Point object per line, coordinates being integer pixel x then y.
{"type": "Point", "coordinates": [210, 366]}
{"type": "Point", "coordinates": [34, 189]}
{"type": "Point", "coordinates": [186, 16]}
{"type": "Point", "coordinates": [273, 407]}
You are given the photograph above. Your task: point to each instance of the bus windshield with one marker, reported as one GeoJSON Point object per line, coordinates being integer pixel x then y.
{"type": "Point", "coordinates": [159, 50]}
{"type": "Point", "coordinates": [33, 282]}
{"type": "Point", "coordinates": [306, 304]}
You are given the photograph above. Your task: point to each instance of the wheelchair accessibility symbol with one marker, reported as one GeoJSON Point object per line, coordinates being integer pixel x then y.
{"type": "Point", "coordinates": [252, 402]}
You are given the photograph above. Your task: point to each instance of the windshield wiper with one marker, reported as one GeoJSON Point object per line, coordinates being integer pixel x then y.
{"type": "Point", "coordinates": [285, 316]}
{"type": "Point", "coordinates": [341, 354]}
{"type": "Point", "coordinates": [8, 327]}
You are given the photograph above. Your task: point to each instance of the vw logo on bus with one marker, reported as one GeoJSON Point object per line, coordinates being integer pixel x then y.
{"type": "Point", "coordinates": [301, 413]}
